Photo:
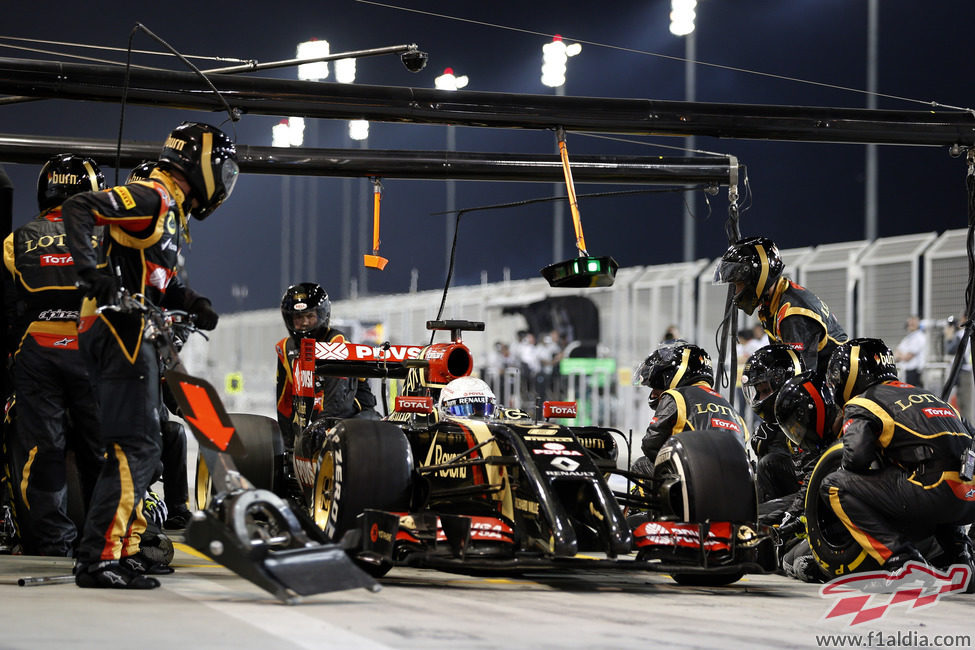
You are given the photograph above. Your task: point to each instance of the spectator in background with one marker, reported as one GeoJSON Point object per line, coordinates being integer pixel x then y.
{"type": "Point", "coordinates": [671, 335]}
{"type": "Point", "coordinates": [760, 336]}
{"type": "Point", "coordinates": [963, 381]}
{"type": "Point", "coordinates": [525, 352]}
{"type": "Point", "coordinates": [909, 353]}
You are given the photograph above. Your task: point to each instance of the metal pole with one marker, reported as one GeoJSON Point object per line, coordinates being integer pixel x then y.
{"type": "Point", "coordinates": [365, 224]}
{"type": "Point", "coordinates": [285, 232]}
{"type": "Point", "coordinates": [312, 237]}
{"type": "Point", "coordinates": [451, 218]}
{"type": "Point", "coordinates": [345, 260]}
{"type": "Point", "coordinates": [558, 210]}
{"type": "Point", "coordinates": [690, 71]}
{"type": "Point", "coordinates": [870, 199]}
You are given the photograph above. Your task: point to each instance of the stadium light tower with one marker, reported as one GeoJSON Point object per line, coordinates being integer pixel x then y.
{"type": "Point", "coordinates": [683, 17]}
{"type": "Point", "coordinates": [287, 133]}
{"type": "Point", "coordinates": [555, 55]}
{"type": "Point", "coordinates": [450, 81]}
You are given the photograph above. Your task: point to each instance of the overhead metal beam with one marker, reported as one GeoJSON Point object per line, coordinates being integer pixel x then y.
{"type": "Point", "coordinates": [264, 96]}
{"type": "Point", "coordinates": [434, 165]}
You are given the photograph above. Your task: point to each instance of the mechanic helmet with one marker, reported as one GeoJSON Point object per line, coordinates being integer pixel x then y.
{"type": "Point", "coordinates": [466, 397]}
{"type": "Point", "coordinates": [674, 364]}
{"type": "Point", "coordinates": [856, 365]}
{"type": "Point", "coordinates": [755, 262]}
{"type": "Point", "coordinates": [64, 175]}
{"type": "Point", "coordinates": [805, 412]}
{"type": "Point", "coordinates": [764, 373]}
{"type": "Point", "coordinates": [303, 299]}
{"type": "Point", "coordinates": [142, 171]}
{"type": "Point", "coordinates": [208, 160]}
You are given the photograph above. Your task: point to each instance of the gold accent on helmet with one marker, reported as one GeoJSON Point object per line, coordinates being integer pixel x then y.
{"type": "Point", "coordinates": [854, 371]}
{"type": "Point", "coordinates": [763, 277]}
{"type": "Point", "coordinates": [206, 153]}
{"type": "Point", "coordinates": [682, 369]}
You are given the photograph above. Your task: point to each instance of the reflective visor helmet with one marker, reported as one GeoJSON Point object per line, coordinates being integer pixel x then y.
{"type": "Point", "coordinates": [765, 372]}
{"type": "Point", "coordinates": [208, 160]}
{"type": "Point", "coordinates": [468, 397]}
{"type": "Point", "coordinates": [756, 263]}
{"type": "Point", "coordinates": [805, 412]}
{"type": "Point", "coordinates": [142, 171]}
{"type": "Point", "coordinates": [306, 298]}
{"type": "Point", "coordinates": [674, 364]}
{"type": "Point", "coordinates": [64, 175]}
{"type": "Point", "coordinates": [856, 365]}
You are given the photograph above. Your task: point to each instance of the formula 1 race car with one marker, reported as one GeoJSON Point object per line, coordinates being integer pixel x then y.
{"type": "Point", "coordinates": [510, 493]}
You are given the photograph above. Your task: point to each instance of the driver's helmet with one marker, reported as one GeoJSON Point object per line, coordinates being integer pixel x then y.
{"type": "Point", "coordinates": [300, 300]}
{"type": "Point", "coordinates": [755, 262]}
{"type": "Point", "coordinates": [765, 372]}
{"type": "Point", "coordinates": [468, 397]}
{"type": "Point", "coordinates": [805, 412]}
{"type": "Point", "coordinates": [857, 365]}
{"type": "Point", "coordinates": [674, 364]}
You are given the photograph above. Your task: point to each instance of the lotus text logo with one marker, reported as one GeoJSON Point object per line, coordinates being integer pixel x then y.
{"type": "Point", "coordinates": [868, 596]}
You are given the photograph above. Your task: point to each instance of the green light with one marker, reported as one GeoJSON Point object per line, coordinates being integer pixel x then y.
{"type": "Point", "coordinates": [593, 266]}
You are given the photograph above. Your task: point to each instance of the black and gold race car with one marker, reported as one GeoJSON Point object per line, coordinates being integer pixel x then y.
{"type": "Point", "coordinates": [510, 493]}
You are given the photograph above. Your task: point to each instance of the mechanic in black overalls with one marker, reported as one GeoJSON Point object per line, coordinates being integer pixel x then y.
{"type": "Point", "coordinates": [789, 313]}
{"type": "Point", "coordinates": [764, 374]}
{"type": "Point", "coordinates": [306, 311]}
{"type": "Point", "coordinates": [811, 421]}
{"type": "Point", "coordinates": [902, 450]}
{"type": "Point", "coordinates": [146, 224]}
{"type": "Point", "coordinates": [680, 379]}
{"type": "Point", "coordinates": [50, 377]}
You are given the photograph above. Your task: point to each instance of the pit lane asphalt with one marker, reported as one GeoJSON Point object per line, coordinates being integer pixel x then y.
{"type": "Point", "coordinates": [206, 606]}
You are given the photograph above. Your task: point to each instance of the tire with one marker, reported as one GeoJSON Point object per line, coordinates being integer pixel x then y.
{"type": "Point", "coordinates": [832, 545]}
{"type": "Point", "coordinates": [707, 579]}
{"type": "Point", "coordinates": [364, 464]}
{"type": "Point", "coordinates": [261, 463]}
{"type": "Point", "coordinates": [707, 477]}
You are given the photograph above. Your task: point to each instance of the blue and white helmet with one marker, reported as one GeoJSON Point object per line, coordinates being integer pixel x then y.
{"type": "Point", "coordinates": [468, 397]}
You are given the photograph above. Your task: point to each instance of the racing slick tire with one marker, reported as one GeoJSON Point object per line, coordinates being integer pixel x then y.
{"type": "Point", "coordinates": [706, 477]}
{"type": "Point", "coordinates": [832, 545]}
{"type": "Point", "coordinates": [261, 464]}
{"type": "Point", "coordinates": [365, 464]}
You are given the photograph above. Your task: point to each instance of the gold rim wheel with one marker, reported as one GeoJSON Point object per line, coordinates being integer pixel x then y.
{"type": "Point", "coordinates": [324, 483]}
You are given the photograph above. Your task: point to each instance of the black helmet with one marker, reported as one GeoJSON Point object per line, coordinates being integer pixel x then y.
{"type": "Point", "coordinates": [142, 171]}
{"type": "Point", "coordinates": [764, 374]}
{"type": "Point", "coordinates": [208, 160]}
{"type": "Point", "coordinates": [805, 412]}
{"type": "Point", "coordinates": [756, 263]}
{"type": "Point", "coordinates": [64, 175]}
{"type": "Point", "coordinates": [306, 298]}
{"type": "Point", "coordinates": [674, 364]}
{"type": "Point", "coordinates": [856, 365]}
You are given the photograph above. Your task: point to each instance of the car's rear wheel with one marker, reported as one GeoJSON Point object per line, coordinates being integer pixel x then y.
{"type": "Point", "coordinates": [832, 545]}
{"type": "Point", "coordinates": [261, 464]}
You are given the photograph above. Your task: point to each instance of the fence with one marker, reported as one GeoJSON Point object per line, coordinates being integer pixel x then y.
{"type": "Point", "coordinates": [871, 287]}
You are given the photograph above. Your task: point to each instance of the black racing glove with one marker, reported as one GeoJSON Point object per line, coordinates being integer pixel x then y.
{"type": "Point", "coordinates": [98, 285]}
{"type": "Point", "coordinates": [206, 317]}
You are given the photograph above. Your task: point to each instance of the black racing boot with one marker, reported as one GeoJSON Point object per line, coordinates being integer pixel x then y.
{"type": "Point", "coordinates": [179, 517]}
{"type": "Point", "coordinates": [142, 565]}
{"type": "Point", "coordinates": [959, 551]}
{"type": "Point", "coordinates": [110, 574]}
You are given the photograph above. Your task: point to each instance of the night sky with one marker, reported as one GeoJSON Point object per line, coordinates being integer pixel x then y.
{"type": "Point", "coordinates": [802, 193]}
